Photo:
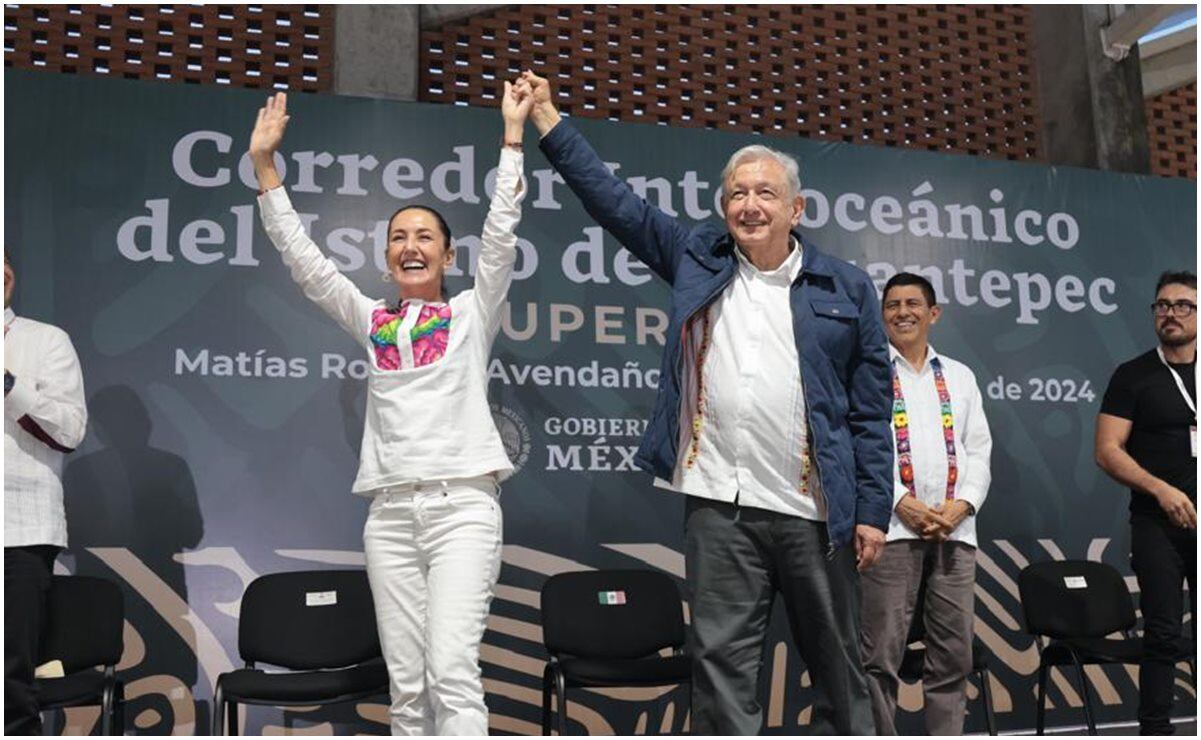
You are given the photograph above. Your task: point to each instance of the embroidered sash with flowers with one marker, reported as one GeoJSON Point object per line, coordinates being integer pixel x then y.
{"type": "Point", "coordinates": [900, 422]}
{"type": "Point", "coordinates": [428, 336]}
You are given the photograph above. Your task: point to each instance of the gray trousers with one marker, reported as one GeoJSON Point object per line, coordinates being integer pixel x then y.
{"type": "Point", "coordinates": [890, 591]}
{"type": "Point", "coordinates": [737, 560]}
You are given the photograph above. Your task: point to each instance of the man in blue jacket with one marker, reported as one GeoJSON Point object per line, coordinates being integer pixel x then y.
{"type": "Point", "coordinates": [772, 416]}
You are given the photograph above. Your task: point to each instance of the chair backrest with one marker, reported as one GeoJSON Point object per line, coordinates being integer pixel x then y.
{"type": "Point", "coordinates": [1074, 598]}
{"type": "Point", "coordinates": [85, 623]}
{"type": "Point", "coordinates": [611, 614]}
{"type": "Point", "coordinates": [306, 620]}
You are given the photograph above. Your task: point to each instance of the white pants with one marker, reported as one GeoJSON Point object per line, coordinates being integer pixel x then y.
{"type": "Point", "coordinates": [433, 557]}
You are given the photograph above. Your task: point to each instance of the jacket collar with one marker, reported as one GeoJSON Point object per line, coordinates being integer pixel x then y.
{"type": "Point", "coordinates": [789, 269]}
{"type": "Point", "coordinates": [720, 253]}
{"type": "Point", "coordinates": [812, 259]}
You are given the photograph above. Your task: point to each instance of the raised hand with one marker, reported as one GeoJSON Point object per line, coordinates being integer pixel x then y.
{"type": "Point", "coordinates": [269, 126]}
{"type": "Point", "coordinates": [515, 107]}
{"type": "Point", "coordinates": [265, 139]}
{"type": "Point", "coordinates": [539, 86]}
{"type": "Point", "coordinates": [543, 114]}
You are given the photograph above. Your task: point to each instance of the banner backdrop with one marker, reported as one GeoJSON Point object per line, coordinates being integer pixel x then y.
{"type": "Point", "coordinates": [226, 410]}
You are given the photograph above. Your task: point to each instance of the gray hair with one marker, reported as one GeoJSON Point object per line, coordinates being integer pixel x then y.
{"type": "Point", "coordinates": [758, 152]}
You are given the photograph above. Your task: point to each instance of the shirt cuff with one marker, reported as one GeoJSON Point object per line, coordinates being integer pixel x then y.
{"type": "Point", "coordinates": [971, 496]}
{"type": "Point", "coordinates": [21, 399]}
{"type": "Point", "coordinates": [511, 157]}
{"type": "Point", "coordinates": [275, 201]}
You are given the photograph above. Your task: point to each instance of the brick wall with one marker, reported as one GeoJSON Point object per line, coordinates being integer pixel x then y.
{"type": "Point", "coordinates": [273, 46]}
{"type": "Point", "coordinates": [938, 77]}
{"type": "Point", "coordinates": [1172, 128]}
{"type": "Point", "coordinates": [943, 78]}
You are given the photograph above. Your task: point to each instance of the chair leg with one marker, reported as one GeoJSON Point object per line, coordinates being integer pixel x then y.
{"type": "Point", "coordinates": [561, 695]}
{"type": "Point", "coordinates": [1088, 704]}
{"type": "Point", "coordinates": [48, 721]}
{"type": "Point", "coordinates": [686, 720]}
{"type": "Point", "coordinates": [233, 718]}
{"type": "Point", "coordinates": [218, 723]}
{"type": "Point", "coordinates": [106, 709]}
{"type": "Point", "coordinates": [990, 718]}
{"type": "Point", "coordinates": [119, 708]}
{"type": "Point", "coordinates": [1040, 720]}
{"type": "Point", "coordinates": [547, 684]}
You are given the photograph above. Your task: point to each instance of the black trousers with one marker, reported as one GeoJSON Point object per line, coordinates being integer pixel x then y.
{"type": "Point", "coordinates": [1163, 557]}
{"type": "Point", "coordinates": [27, 572]}
{"type": "Point", "coordinates": [737, 559]}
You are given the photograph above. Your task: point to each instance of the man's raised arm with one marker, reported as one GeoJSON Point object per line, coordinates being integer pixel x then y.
{"type": "Point", "coordinates": [654, 237]}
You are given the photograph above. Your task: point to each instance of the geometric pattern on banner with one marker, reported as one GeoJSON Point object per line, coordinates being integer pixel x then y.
{"type": "Point", "coordinates": [513, 658]}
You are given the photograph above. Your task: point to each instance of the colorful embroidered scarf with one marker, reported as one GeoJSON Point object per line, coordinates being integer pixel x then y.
{"type": "Point", "coordinates": [900, 422]}
{"type": "Point", "coordinates": [698, 419]}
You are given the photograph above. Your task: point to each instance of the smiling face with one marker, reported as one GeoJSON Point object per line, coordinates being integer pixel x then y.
{"type": "Point", "coordinates": [760, 207]}
{"type": "Point", "coordinates": [908, 316]}
{"type": "Point", "coordinates": [1173, 330]}
{"type": "Point", "coordinates": [418, 254]}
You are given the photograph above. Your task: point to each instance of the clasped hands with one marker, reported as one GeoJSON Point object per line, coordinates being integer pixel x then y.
{"type": "Point", "coordinates": [932, 523]}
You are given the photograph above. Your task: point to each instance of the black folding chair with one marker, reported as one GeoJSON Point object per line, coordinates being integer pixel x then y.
{"type": "Point", "coordinates": [318, 624]}
{"type": "Point", "coordinates": [85, 629]}
{"type": "Point", "coordinates": [1075, 604]}
{"type": "Point", "coordinates": [913, 662]}
{"type": "Point", "coordinates": [606, 628]}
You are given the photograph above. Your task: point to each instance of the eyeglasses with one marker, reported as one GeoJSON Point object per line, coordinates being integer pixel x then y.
{"type": "Point", "coordinates": [1180, 309]}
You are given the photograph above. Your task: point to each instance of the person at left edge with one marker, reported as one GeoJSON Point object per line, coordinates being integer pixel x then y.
{"type": "Point", "coordinates": [45, 417]}
{"type": "Point", "coordinates": [431, 458]}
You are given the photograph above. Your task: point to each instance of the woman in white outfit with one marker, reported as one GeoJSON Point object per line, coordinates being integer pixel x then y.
{"type": "Point", "coordinates": [431, 456]}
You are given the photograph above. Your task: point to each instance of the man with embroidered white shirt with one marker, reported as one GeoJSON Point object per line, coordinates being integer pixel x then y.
{"type": "Point", "coordinates": [750, 352]}
{"type": "Point", "coordinates": [942, 474]}
{"type": "Point", "coordinates": [44, 418]}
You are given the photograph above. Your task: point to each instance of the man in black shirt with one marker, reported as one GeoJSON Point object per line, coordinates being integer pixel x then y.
{"type": "Point", "coordinates": [1147, 439]}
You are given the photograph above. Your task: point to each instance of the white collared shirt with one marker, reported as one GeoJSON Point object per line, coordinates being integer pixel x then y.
{"type": "Point", "coordinates": [45, 407]}
{"type": "Point", "coordinates": [751, 431]}
{"type": "Point", "coordinates": [973, 442]}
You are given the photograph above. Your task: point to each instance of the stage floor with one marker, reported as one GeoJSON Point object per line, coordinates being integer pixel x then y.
{"type": "Point", "coordinates": [1185, 727]}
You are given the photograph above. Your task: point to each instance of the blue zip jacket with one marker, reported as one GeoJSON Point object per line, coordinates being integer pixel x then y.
{"type": "Point", "coordinates": [836, 320]}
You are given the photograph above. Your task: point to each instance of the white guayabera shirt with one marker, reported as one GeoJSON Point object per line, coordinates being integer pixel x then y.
{"type": "Point", "coordinates": [973, 441]}
{"type": "Point", "coordinates": [45, 417]}
{"type": "Point", "coordinates": [753, 432]}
